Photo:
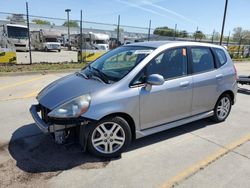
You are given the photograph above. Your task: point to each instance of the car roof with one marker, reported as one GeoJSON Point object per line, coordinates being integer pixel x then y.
{"type": "Point", "coordinates": [157, 44]}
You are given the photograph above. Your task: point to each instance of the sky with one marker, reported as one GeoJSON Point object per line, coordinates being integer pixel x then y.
{"type": "Point", "coordinates": [207, 15]}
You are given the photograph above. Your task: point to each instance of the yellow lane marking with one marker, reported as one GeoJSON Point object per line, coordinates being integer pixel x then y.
{"type": "Point", "coordinates": [33, 94]}
{"type": "Point", "coordinates": [175, 180]}
{"type": "Point", "coordinates": [22, 82]}
{"type": "Point", "coordinates": [27, 96]}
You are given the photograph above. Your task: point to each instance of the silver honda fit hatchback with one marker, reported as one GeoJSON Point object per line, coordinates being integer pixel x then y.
{"type": "Point", "coordinates": [137, 90]}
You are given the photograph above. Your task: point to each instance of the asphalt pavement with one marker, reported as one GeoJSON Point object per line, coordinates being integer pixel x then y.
{"type": "Point", "coordinates": [199, 154]}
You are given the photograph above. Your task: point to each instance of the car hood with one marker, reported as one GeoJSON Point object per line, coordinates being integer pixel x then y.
{"type": "Point", "coordinates": [66, 88]}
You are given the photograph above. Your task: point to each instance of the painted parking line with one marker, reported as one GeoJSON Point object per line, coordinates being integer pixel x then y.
{"type": "Point", "coordinates": [26, 96]}
{"type": "Point", "coordinates": [175, 180]}
{"type": "Point", "coordinates": [22, 82]}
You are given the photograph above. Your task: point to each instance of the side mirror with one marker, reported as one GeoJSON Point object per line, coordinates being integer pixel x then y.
{"type": "Point", "coordinates": [155, 79]}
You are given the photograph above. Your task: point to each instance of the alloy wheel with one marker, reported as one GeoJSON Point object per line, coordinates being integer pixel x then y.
{"type": "Point", "coordinates": [223, 107]}
{"type": "Point", "coordinates": [108, 137]}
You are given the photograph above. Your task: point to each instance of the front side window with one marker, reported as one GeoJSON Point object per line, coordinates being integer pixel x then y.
{"type": "Point", "coordinates": [117, 63]}
{"type": "Point", "coordinates": [202, 59]}
{"type": "Point", "coordinates": [170, 64]}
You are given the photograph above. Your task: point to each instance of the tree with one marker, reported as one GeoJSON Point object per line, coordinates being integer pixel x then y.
{"type": "Point", "coordinates": [120, 30]}
{"type": "Point", "coordinates": [199, 35]}
{"type": "Point", "coordinates": [240, 35]}
{"type": "Point", "coordinates": [164, 31]}
{"type": "Point", "coordinates": [16, 18]}
{"type": "Point", "coordinates": [41, 22]}
{"type": "Point", "coordinates": [183, 34]}
{"type": "Point", "coordinates": [71, 23]}
{"type": "Point", "coordinates": [216, 36]}
{"type": "Point", "coordinates": [237, 33]}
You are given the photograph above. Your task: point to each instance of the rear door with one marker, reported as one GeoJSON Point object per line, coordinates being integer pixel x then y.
{"type": "Point", "coordinates": [205, 79]}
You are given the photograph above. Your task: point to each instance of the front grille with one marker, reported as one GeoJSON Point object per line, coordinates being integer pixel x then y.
{"type": "Point", "coordinates": [44, 113]}
{"type": "Point", "coordinates": [20, 45]}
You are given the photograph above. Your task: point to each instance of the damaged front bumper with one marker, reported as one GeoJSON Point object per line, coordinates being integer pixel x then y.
{"type": "Point", "coordinates": [54, 125]}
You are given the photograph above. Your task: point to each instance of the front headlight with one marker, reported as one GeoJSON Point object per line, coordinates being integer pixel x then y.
{"type": "Point", "coordinates": [73, 108]}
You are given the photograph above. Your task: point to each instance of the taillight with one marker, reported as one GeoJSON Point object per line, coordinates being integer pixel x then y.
{"type": "Point", "coordinates": [235, 72]}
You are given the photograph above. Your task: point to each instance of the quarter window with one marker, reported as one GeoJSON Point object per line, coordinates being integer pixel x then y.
{"type": "Point", "coordinates": [221, 56]}
{"type": "Point", "coordinates": [170, 64]}
{"type": "Point", "coordinates": [202, 59]}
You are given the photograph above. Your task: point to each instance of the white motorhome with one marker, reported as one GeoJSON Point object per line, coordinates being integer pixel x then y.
{"type": "Point", "coordinates": [45, 40]}
{"type": "Point", "coordinates": [100, 40]}
{"type": "Point", "coordinates": [17, 35]}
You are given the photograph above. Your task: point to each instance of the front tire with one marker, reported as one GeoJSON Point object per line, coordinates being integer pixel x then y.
{"type": "Point", "coordinates": [110, 137]}
{"type": "Point", "coordinates": [222, 108]}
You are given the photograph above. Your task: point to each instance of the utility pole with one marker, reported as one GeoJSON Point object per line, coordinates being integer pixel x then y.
{"type": "Point", "coordinates": [118, 30]}
{"type": "Point", "coordinates": [81, 37]}
{"type": "Point", "coordinates": [223, 23]}
{"type": "Point", "coordinates": [228, 38]}
{"type": "Point", "coordinates": [195, 35]}
{"type": "Point", "coordinates": [213, 37]}
{"type": "Point", "coordinates": [68, 11]}
{"type": "Point", "coordinates": [239, 46]}
{"type": "Point", "coordinates": [175, 29]}
{"type": "Point", "coordinates": [149, 30]}
{"type": "Point", "coordinates": [28, 26]}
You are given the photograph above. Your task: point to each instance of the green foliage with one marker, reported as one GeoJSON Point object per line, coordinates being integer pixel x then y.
{"type": "Point", "coordinates": [183, 34]}
{"type": "Point", "coordinates": [164, 31]}
{"type": "Point", "coordinates": [217, 36]}
{"type": "Point", "coordinates": [169, 32]}
{"type": "Point", "coordinates": [120, 30]}
{"type": "Point", "coordinates": [240, 35]}
{"type": "Point", "coordinates": [41, 67]}
{"type": "Point", "coordinates": [199, 35]}
{"type": "Point", "coordinates": [41, 22]}
{"type": "Point", "coordinates": [71, 23]}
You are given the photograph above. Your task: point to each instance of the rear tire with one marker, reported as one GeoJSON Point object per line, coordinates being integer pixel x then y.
{"type": "Point", "coordinates": [222, 108]}
{"type": "Point", "coordinates": [109, 137]}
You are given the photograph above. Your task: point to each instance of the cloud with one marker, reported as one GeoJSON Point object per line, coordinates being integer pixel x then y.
{"type": "Point", "coordinates": [168, 11]}
{"type": "Point", "coordinates": [143, 8]}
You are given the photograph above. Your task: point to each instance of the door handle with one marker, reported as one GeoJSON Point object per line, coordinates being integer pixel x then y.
{"type": "Point", "coordinates": [184, 84]}
{"type": "Point", "coordinates": [219, 76]}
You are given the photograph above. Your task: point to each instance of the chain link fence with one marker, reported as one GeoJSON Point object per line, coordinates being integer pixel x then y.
{"type": "Point", "coordinates": [57, 40]}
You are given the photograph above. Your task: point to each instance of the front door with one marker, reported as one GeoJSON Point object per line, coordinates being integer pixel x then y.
{"type": "Point", "coordinates": [172, 100]}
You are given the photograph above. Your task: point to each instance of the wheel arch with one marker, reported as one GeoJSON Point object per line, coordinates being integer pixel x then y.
{"type": "Point", "coordinates": [126, 117]}
{"type": "Point", "coordinates": [230, 93]}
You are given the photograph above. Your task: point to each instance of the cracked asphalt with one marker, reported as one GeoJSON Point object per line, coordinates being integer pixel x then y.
{"type": "Point", "coordinates": [199, 154]}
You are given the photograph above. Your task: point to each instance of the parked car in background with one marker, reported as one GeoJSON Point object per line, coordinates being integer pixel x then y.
{"type": "Point", "coordinates": [137, 90]}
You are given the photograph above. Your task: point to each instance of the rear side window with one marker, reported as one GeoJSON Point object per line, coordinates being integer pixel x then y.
{"type": "Point", "coordinates": [202, 59]}
{"type": "Point", "coordinates": [221, 56]}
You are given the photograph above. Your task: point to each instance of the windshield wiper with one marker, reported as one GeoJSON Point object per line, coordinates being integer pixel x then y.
{"type": "Point", "coordinates": [100, 74]}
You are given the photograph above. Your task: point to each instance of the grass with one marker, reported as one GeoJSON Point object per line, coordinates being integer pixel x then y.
{"type": "Point", "coordinates": [241, 59]}
{"type": "Point", "coordinates": [58, 67]}
{"type": "Point", "coordinates": [40, 67]}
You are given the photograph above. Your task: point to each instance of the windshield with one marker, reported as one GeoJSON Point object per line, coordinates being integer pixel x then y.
{"type": "Point", "coordinates": [51, 40]}
{"type": "Point", "coordinates": [101, 41]}
{"type": "Point", "coordinates": [117, 63]}
{"type": "Point", "coordinates": [17, 32]}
